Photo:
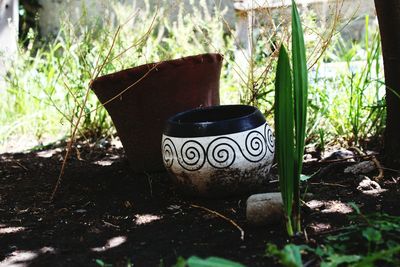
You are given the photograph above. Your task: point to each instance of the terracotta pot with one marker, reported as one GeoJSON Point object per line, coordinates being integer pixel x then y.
{"type": "Point", "coordinates": [167, 88]}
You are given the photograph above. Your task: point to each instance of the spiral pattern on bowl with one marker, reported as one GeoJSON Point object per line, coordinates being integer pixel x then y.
{"type": "Point", "coordinates": [270, 139]}
{"type": "Point", "coordinates": [169, 152]}
{"type": "Point", "coordinates": [255, 147]}
{"type": "Point", "coordinates": [220, 152]}
{"type": "Point", "coordinates": [193, 155]}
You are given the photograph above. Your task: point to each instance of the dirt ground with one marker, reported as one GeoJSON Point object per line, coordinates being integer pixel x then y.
{"type": "Point", "coordinates": [105, 212]}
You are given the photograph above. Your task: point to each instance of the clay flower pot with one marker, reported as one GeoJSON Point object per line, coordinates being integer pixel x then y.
{"type": "Point", "coordinates": [218, 151]}
{"type": "Point", "coordinates": [161, 90]}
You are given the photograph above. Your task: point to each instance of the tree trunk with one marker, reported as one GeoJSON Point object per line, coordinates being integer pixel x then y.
{"type": "Point", "coordinates": [388, 12]}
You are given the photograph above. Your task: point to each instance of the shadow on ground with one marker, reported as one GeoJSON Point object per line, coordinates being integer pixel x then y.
{"type": "Point", "coordinates": [105, 212]}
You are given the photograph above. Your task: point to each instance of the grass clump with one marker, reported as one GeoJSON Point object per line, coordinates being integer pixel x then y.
{"type": "Point", "coordinates": [348, 103]}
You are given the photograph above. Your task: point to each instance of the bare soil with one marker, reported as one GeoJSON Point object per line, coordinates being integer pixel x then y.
{"type": "Point", "coordinates": [105, 212]}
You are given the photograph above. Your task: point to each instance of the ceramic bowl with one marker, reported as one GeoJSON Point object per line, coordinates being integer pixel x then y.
{"type": "Point", "coordinates": [218, 151]}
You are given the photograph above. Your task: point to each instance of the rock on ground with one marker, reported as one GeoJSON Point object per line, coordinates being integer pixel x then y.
{"type": "Point", "coordinates": [264, 209]}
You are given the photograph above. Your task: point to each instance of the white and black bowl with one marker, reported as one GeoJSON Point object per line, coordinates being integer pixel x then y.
{"type": "Point", "coordinates": [218, 151]}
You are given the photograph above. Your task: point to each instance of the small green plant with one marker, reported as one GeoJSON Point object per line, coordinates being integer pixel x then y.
{"type": "Point", "coordinates": [290, 122]}
{"type": "Point", "coordinates": [290, 255]}
{"type": "Point", "coordinates": [375, 241]}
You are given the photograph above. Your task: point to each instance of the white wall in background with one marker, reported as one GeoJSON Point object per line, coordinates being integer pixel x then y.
{"type": "Point", "coordinates": [54, 10]}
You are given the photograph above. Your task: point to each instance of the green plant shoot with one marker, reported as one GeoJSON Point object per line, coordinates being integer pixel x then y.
{"type": "Point", "coordinates": [290, 121]}
{"type": "Point", "coordinates": [284, 133]}
{"type": "Point", "coordinates": [300, 82]}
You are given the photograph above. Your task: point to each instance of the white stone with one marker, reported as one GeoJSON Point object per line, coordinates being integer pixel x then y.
{"type": "Point", "coordinates": [369, 187]}
{"type": "Point", "coordinates": [265, 209]}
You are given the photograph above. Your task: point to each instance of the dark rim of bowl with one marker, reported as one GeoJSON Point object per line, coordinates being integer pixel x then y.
{"type": "Point", "coordinates": [214, 120]}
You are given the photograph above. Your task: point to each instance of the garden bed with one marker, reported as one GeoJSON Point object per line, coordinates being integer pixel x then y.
{"type": "Point", "coordinates": [104, 213]}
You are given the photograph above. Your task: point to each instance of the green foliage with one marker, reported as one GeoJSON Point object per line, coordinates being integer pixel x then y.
{"type": "Point", "coordinates": [372, 241]}
{"type": "Point", "coordinates": [347, 91]}
{"type": "Point", "coordinates": [300, 87]}
{"type": "Point", "coordinates": [46, 84]}
{"type": "Point", "coordinates": [101, 263]}
{"type": "Point", "coordinates": [180, 262]}
{"type": "Point", "coordinates": [284, 133]}
{"type": "Point", "coordinates": [321, 140]}
{"type": "Point", "coordinates": [194, 261]}
{"type": "Point", "coordinates": [211, 262]}
{"type": "Point", "coordinates": [290, 122]}
{"type": "Point", "coordinates": [289, 256]}
{"type": "Point", "coordinates": [45, 88]}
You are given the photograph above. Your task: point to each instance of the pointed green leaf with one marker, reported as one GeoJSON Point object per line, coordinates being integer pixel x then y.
{"type": "Point", "coordinates": [300, 84]}
{"type": "Point", "coordinates": [211, 262]}
{"type": "Point", "coordinates": [284, 128]}
{"type": "Point", "coordinates": [300, 87]}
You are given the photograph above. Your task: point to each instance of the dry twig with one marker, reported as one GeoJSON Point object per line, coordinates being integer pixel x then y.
{"type": "Point", "coordinates": [22, 166]}
{"type": "Point", "coordinates": [223, 217]}
{"type": "Point", "coordinates": [110, 224]}
{"type": "Point", "coordinates": [329, 184]}
{"type": "Point", "coordinates": [347, 158]}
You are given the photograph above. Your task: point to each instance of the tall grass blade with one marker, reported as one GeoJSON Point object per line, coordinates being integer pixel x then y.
{"type": "Point", "coordinates": [300, 85]}
{"type": "Point", "coordinates": [284, 132]}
